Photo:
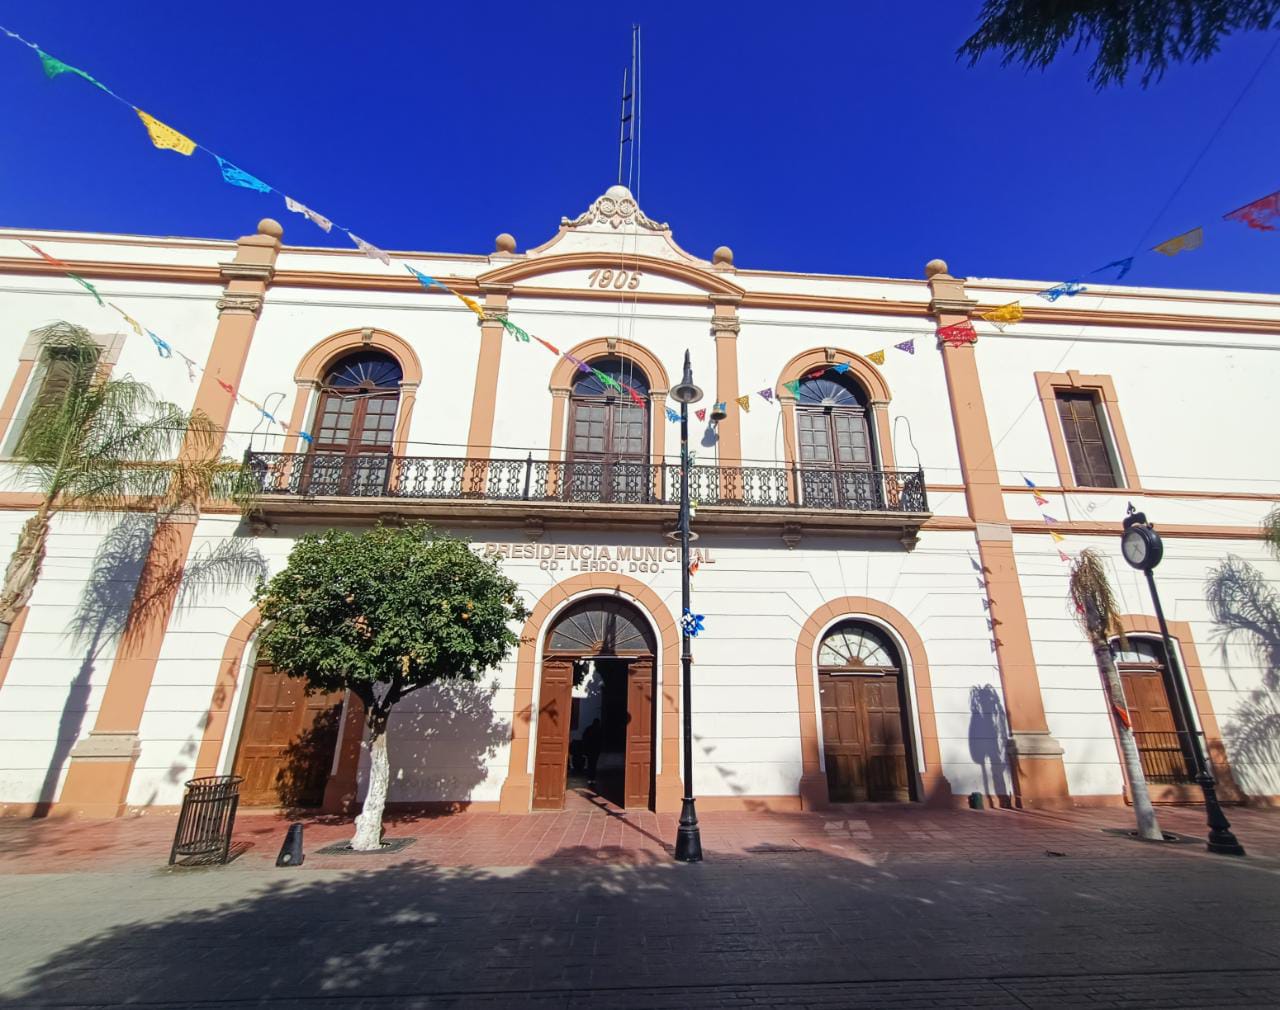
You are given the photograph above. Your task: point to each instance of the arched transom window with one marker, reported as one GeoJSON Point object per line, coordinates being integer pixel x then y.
{"type": "Point", "coordinates": [608, 448]}
{"type": "Point", "coordinates": [837, 455]}
{"type": "Point", "coordinates": [355, 424]}
{"type": "Point", "coordinates": [857, 645]}
{"type": "Point", "coordinates": [601, 626]}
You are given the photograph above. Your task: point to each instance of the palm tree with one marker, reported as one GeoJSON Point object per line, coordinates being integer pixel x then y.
{"type": "Point", "coordinates": [1271, 530]}
{"type": "Point", "coordinates": [97, 444]}
{"type": "Point", "coordinates": [1099, 615]}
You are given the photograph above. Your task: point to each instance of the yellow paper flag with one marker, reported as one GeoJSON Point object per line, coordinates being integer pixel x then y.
{"type": "Point", "coordinates": [128, 319]}
{"type": "Point", "coordinates": [472, 305]}
{"type": "Point", "coordinates": [745, 403]}
{"type": "Point", "coordinates": [1010, 313]}
{"type": "Point", "coordinates": [166, 137]}
{"type": "Point", "coordinates": [1185, 242]}
{"type": "Point", "coordinates": [1057, 537]}
{"type": "Point", "coordinates": [876, 357]}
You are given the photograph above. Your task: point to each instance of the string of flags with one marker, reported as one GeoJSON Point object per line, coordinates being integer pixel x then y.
{"type": "Point", "coordinates": [1049, 520]}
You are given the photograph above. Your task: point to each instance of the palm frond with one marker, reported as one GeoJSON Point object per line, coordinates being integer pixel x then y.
{"type": "Point", "coordinates": [1271, 530]}
{"type": "Point", "coordinates": [1096, 608]}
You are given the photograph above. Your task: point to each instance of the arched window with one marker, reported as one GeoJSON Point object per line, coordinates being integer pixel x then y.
{"type": "Point", "coordinates": [608, 451]}
{"type": "Point", "coordinates": [864, 731]}
{"type": "Point", "coordinates": [837, 454]}
{"type": "Point", "coordinates": [1158, 727]}
{"type": "Point", "coordinates": [355, 422]}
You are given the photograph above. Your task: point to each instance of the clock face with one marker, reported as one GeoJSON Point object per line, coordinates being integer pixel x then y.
{"type": "Point", "coordinates": [1134, 547]}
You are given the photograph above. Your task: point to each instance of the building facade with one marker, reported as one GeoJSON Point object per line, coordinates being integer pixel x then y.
{"type": "Point", "coordinates": [883, 516]}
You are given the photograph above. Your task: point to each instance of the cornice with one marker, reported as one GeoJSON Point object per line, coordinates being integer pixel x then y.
{"type": "Point", "coordinates": [99, 270]}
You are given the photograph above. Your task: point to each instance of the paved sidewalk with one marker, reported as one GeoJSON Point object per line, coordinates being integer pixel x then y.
{"type": "Point", "coordinates": [871, 906]}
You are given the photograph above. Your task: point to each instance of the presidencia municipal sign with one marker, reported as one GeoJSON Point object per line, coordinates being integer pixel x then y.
{"type": "Point", "coordinates": [596, 557]}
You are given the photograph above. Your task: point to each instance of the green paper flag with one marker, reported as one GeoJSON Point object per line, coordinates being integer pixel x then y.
{"type": "Point", "coordinates": [793, 387]}
{"type": "Point", "coordinates": [54, 66]}
{"type": "Point", "coordinates": [607, 380]}
{"type": "Point", "coordinates": [513, 329]}
{"type": "Point", "coordinates": [88, 287]}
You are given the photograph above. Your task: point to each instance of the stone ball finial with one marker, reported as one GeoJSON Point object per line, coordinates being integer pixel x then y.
{"type": "Point", "coordinates": [504, 243]}
{"type": "Point", "coordinates": [935, 267]}
{"type": "Point", "coordinates": [270, 226]}
{"type": "Point", "coordinates": [722, 257]}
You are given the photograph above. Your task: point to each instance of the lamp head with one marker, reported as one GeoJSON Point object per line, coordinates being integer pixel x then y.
{"type": "Point", "coordinates": [685, 391]}
{"type": "Point", "coordinates": [718, 413]}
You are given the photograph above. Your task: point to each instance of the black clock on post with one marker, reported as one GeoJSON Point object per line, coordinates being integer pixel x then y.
{"type": "Point", "coordinates": [1142, 548]}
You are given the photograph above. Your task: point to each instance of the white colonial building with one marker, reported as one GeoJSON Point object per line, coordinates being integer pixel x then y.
{"type": "Point", "coordinates": [885, 602]}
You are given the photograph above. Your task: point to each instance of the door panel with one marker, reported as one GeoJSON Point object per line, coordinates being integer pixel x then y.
{"type": "Point", "coordinates": [863, 738]}
{"type": "Point", "coordinates": [287, 741]}
{"type": "Point", "coordinates": [1155, 727]}
{"type": "Point", "coordinates": [637, 791]}
{"type": "Point", "coordinates": [555, 715]}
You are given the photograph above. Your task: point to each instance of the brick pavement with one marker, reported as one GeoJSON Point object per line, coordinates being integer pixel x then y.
{"type": "Point", "coordinates": [869, 906]}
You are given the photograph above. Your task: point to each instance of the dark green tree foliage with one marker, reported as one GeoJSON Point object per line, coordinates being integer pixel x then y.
{"type": "Point", "coordinates": [1151, 34]}
{"type": "Point", "coordinates": [382, 613]}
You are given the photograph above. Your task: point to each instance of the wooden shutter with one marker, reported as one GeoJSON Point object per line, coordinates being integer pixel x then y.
{"type": "Point", "coordinates": [1086, 441]}
{"type": "Point", "coordinates": [638, 787]}
{"type": "Point", "coordinates": [555, 714]}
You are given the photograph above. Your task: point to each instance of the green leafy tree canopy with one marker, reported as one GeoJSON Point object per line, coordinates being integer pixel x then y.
{"type": "Point", "coordinates": [1151, 34]}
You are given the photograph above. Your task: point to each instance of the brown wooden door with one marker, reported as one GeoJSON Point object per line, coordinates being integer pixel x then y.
{"type": "Point", "coordinates": [286, 742]}
{"type": "Point", "coordinates": [555, 715]}
{"type": "Point", "coordinates": [1155, 727]}
{"type": "Point", "coordinates": [638, 788]}
{"type": "Point", "coordinates": [863, 739]}
{"type": "Point", "coordinates": [836, 459]}
{"type": "Point", "coordinates": [351, 449]}
{"type": "Point", "coordinates": [608, 451]}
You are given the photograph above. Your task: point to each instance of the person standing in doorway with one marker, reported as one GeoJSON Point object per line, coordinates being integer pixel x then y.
{"type": "Point", "coordinates": [591, 744]}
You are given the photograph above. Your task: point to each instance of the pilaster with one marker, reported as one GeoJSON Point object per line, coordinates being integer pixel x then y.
{"type": "Point", "coordinates": [484, 400]}
{"type": "Point", "coordinates": [724, 330]}
{"type": "Point", "coordinates": [1039, 775]}
{"type": "Point", "coordinates": [101, 767]}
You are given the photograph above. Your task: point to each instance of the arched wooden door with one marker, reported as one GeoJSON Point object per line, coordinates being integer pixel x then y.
{"type": "Point", "coordinates": [286, 742]}
{"type": "Point", "coordinates": [350, 451]}
{"type": "Point", "coordinates": [864, 727]}
{"type": "Point", "coordinates": [1158, 731]}
{"type": "Point", "coordinates": [836, 452]}
{"type": "Point", "coordinates": [608, 450]}
{"type": "Point", "coordinates": [607, 630]}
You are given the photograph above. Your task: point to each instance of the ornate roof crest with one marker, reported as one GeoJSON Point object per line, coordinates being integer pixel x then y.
{"type": "Point", "coordinates": [616, 208]}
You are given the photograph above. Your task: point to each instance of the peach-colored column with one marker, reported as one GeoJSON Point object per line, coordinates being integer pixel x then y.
{"type": "Point", "coordinates": [484, 401]}
{"type": "Point", "coordinates": [724, 329]}
{"type": "Point", "coordinates": [1040, 778]}
{"type": "Point", "coordinates": [101, 768]}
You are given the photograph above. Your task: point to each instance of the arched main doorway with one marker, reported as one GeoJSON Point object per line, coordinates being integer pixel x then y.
{"type": "Point", "coordinates": [595, 707]}
{"type": "Point", "coordinates": [865, 733]}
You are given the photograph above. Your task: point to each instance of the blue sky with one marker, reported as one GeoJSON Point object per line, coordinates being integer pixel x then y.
{"type": "Point", "coordinates": [844, 141]}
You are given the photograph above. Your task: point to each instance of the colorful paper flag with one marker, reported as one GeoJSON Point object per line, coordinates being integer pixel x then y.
{"type": "Point", "coordinates": [1259, 213]}
{"type": "Point", "coordinates": [514, 330]}
{"type": "Point", "coordinates": [793, 387]}
{"type": "Point", "coordinates": [54, 66]}
{"type": "Point", "coordinates": [1122, 715]}
{"type": "Point", "coordinates": [767, 394]}
{"type": "Point", "coordinates": [1063, 556]}
{"type": "Point", "coordinates": [229, 388]}
{"type": "Point", "coordinates": [319, 220]}
{"type": "Point", "coordinates": [876, 357]}
{"type": "Point", "coordinates": [1039, 500]}
{"type": "Point", "coordinates": [1186, 242]}
{"type": "Point", "coordinates": [1002, 316]}
{"type": "Point", "coordinates": [550, 347]}
{"type": "Point", "coordinates": [88, 287]}
{"type": "Point", "coordinates": [239, 177]}
{"type": "Point", "coordinates": [166, 137]}
{"type": "Point", "coordinates": [127, 318]}
{"type": "Point", "coordinates": [191, 367]}
{"type": "Point", "coordinates": [693, 568]}
{"type": "Point", "coordinates": [1064, 290]}
{"type": "Point", "coordinates": [907, 345]}
{"type": "Point", "coordinates": [745, 403]}
{"type": "Point", "coordinates": [305, 437]}
{"type": "Point", "coordinates": [472, 304]}
{"type": "Point", "coordinates": [636, 398]}
{"type": "Point", "coordinates": [840, 367]}
{"type": "Point", "coordinates": [1048, 518]}
{"type": "Point", "coordinates": [162, 348]}
{"type": "Point", "coordinates": [701, 414]}
{"type": "Point", "coordinates": [817, 373]}
{"type": "Point", "coordinates": [370, 250]}
{"type": "Point", "coordinates": [605, 380]}
{"type": "Point", "coordinates": [51, 259]}
{"type": "Point", "coordinates": [672, 416]}
{"type": "Point", "coordinates": [1057, 537]}
{"type": "Point", "coordinates": [1125, 266]}
{"type": "Point", "coordinates": [1027, 480]}
{"type": "Point", "coordinates": [958, 334]}
{"type": "Point", "coordinates": [423, 279]}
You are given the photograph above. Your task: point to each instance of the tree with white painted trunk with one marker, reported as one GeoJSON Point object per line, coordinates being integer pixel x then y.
{"type": "Point", "coordinates": [1099, 615]}
{"type": "Point", "coordinates": [382, 613]}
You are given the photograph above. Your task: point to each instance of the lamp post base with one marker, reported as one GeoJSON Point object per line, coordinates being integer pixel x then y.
{"type": "Point", "coordinates": [688, 838]}
{"type": "Point", "coordinates": [1221, 840]}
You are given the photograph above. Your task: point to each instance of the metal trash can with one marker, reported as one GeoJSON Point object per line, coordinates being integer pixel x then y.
{"type": "Point", "coordinates": [207, 817]}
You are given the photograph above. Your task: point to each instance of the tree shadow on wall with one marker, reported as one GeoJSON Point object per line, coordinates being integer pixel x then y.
{"type": "Point", "coordinates": [1243, 605]}
{"type": "Point", "coordinates": [989, 740]}
{"type": "Point", "coordinates": [441, 749]}
{"type": "Point", "coordinates": [124, 594]}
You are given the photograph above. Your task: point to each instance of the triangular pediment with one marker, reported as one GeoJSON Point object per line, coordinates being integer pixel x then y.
{"type": "Point", "coordinates": [612, 219]}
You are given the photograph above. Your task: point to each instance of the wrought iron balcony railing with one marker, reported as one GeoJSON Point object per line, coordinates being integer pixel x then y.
{"type": "Point", "coordinates": [596, 481]}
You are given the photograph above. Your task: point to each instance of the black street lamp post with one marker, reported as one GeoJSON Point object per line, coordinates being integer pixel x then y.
{"type": "Point", "coordinates": [1142, 548]}
{"type": "Point", "coordinates": [688, 837]}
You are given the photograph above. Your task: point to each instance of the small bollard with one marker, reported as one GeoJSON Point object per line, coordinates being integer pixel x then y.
{"type": "Point", "coordinates": [291, 850]}
{"type": "Point", "coordinates": [975, 801]}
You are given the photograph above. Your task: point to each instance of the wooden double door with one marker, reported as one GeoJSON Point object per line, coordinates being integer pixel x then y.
{"type": "Point", "coordinates": [287, 741]}
{"type": "Point", "coordinates": [1162, 747]}
{"type": "Point", "coordinates": [555, 717]}
{"type": "Point", "coordinates": [864, 737]}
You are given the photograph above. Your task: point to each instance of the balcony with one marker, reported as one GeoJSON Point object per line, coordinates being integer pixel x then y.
{"type": "Point", "coordinates": [326, 487]}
